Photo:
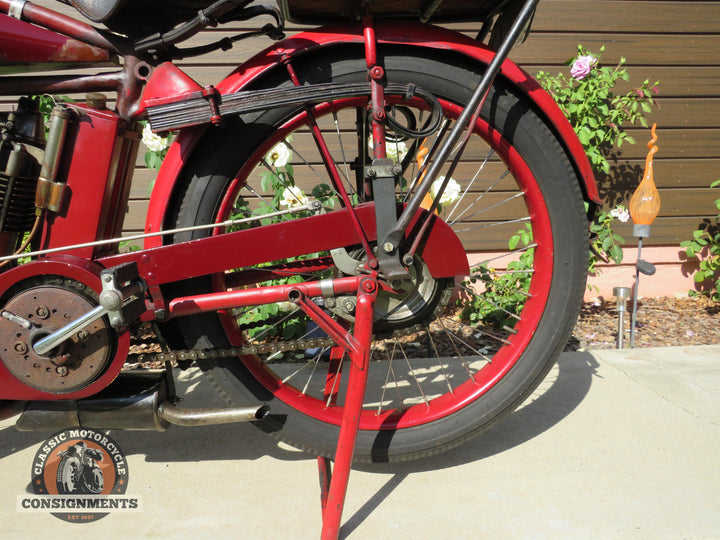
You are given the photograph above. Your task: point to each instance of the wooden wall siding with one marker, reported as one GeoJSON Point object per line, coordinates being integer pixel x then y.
{"type": "Point", "coordinates": [675, 42]}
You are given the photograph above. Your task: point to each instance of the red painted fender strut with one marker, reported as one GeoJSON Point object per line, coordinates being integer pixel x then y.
{"type": "Point", "coordinates": [413, 34]}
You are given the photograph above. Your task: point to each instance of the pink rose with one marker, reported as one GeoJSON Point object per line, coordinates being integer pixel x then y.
{"type": "Point", "coordinates": [582, 66]}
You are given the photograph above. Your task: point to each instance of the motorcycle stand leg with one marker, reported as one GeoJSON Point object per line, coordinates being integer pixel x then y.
{"type": "Point", "coordinates": [334, 480]}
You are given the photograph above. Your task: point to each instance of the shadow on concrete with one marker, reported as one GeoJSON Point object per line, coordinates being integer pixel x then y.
{"type": "Point", "coordinates": [561, 392]}
{"type": "Point", "coordinates": [555, 399]}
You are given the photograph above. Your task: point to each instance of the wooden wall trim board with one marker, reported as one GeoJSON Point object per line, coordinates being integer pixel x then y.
{"type": "Point", "coordinates": [675, 42]}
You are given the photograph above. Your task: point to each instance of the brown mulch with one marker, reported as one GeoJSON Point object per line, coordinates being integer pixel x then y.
{"type": "Point", "coordinates": [661, 322]}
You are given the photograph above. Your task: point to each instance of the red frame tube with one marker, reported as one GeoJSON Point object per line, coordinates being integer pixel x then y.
{"type": "Point", "coordinates": [357, 382]}
{"type": "Point", "coordinates": [192, 305]}
{"type": "Point", "coordinates": [62, 24]}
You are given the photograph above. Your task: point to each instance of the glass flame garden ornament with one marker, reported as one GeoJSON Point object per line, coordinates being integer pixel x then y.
{"type": "Point", "coordinates": [645, 202]}
{"type": "Point", "coordinates": [644, 208]}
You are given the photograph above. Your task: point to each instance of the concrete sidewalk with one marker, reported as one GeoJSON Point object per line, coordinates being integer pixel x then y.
{"type": "Point", "coordinates": [614, 444]}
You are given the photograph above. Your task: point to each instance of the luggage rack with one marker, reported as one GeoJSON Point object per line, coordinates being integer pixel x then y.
{"type": "Point", "coordinates": [441, 11]}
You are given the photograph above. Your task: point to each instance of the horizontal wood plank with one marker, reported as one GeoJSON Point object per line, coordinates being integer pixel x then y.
{"type": "Point", "coordinates": [627, 16]}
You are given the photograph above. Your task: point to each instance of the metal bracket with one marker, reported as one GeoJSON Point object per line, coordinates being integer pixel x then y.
{"type": "Point", "coordinates": [384, 174]}
{"type": "Point", "coordinates": [122, 294]}
{"type": "Point", "coordinates": [121, 299]}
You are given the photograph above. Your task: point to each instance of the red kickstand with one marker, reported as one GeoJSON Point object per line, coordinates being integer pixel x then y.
{"type": "Point", "coordinates": [334, 480]}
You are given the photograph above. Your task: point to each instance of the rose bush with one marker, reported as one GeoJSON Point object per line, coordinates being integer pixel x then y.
{"type": "Point", "coordinates": [595, 111]}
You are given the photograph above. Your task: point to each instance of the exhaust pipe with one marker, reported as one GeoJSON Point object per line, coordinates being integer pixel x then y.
{"type": "Point", "coordinates": [134, 401]}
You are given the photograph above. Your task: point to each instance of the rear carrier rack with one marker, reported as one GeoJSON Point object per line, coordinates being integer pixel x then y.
{"type": "Point", "coordinates": [440, 11]}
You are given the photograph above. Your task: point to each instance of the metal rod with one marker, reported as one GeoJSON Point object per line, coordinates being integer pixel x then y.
{"type": "Point", "coordinates": [396, 234]}
{"type": "Point", "coordinates": [48, 343]}
{"type": "Point", "coordinates": [635, 295]}
{"type": "Point", "coordinates": [228, 223]}
{"type": "Point", "coordinates": [621, 293]}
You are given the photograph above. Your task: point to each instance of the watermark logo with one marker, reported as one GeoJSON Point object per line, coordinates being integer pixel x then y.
{"type": "Point", "coordinates": [79, 475]}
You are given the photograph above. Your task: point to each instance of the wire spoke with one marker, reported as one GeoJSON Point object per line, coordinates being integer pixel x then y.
{"type": "Point", "coordinates": [336, 377]}
{"type": "Point", "coordinates": [500, 203]}
{"type": "Point", "coordinates": [467, 188]}
{"type": "Point", "coordinates": [493, 224]}
{"type": "Point", "coordinates": [346, 173]}
{"type": "Point", "coordinates": [306, 162]}
{"type": "Point", "coordinates": [457, 351]}
{"type": "Point", "coordinates": [481, 196]}
{"type": "Point", "coordinates": [440, 363]}
{"type": "Point", "coordinates": [493, 304]}
{"type": "Point", "coordinates": [468, 345]}
{"type": "Point", "coordinates": [411, 372]}
{"type": "Point", "coordinates": [509, 253]}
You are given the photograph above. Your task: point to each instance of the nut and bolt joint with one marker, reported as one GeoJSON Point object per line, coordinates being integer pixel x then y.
{"type": "Point", "coordinates": [368, 285]}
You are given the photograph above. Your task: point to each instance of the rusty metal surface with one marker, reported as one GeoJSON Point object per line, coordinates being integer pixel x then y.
{"type": "Point", "coordinates": [79, 361]}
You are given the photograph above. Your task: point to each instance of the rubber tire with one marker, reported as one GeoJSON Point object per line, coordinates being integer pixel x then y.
{"type": "Point", "coordinates": [219, 156]}
{"type": "Point", "coordinates": [69, 475]}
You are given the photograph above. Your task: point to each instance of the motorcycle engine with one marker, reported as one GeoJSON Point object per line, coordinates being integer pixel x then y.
{"type": "Point", "coordinates": [19, 171]}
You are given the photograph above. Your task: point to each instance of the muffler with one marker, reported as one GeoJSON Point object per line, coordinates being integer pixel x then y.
{"type": "Point", "coordinates": [134, 401]}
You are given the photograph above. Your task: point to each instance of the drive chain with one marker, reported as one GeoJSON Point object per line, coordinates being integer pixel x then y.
{"type": "Point", "coordinates": [265, 348]}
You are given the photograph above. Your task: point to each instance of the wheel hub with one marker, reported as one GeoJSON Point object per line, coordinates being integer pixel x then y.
{"type": "Point", "coordinates": [409, 302]}
{"type": "Point", "coordinates": [74, 365]}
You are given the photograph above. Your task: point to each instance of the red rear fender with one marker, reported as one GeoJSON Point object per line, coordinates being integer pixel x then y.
{"type": "Point", "coordinates": [313, 42]}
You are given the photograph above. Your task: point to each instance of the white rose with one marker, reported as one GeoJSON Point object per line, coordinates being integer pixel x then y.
{"type": "Point", "coordinates": [620, 213]}
{"type": "Point", "coordinates": [393, 150]}
{"type": "Point", "coordinates": [293, 196]}
{"type": "Point", "coordinates": [286, 306]}
{"type": "Point", "coordinates": [155, 143]}
{"type": "Point", "coordinates": [279, 155]}
{"type": "Point", "coordinates": [451, 193]}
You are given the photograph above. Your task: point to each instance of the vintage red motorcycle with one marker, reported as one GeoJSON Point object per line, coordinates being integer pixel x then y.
{"type": "Point", "coordinates": [316, 218]}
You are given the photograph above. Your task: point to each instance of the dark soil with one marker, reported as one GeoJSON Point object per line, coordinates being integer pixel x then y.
{"type": "Point", "coordinates": [661, 322]}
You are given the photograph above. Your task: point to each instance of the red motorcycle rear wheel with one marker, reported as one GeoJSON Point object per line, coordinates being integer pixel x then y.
{"type": "Point", "coordinates": [516, 180]}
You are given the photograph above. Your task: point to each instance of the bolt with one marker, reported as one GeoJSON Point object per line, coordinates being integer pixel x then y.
{"type": "Point", "coordinates": [83, 335]}
{"type": "Point", "coordinates": [371, 173]}
{"type": "Point", "coordinates": [42, 312]}
{"type": "Point", "coordinates": [367, 285]}
{"type": "Point", "coordinates": [388, 247]}
{"type": "Point", "coordinates": [349, 306]}
{"type": "Point", "coordinates": [397, 170]}
{"type": "Point", "coordinates": [408, 259]}
{"type": "Point", "coordinates": [107, 278]}
{"type": "Point", "coordinates": [21, 347]}
{"type": "Point", "coordinates": [377, 72]}
{"type": "Point", "coordinates": [61, 370]}
{"type": "Point", "coordinates": [379, 115]}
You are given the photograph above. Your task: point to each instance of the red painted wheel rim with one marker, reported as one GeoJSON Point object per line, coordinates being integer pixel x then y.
{"type": "Point", "coordinates": [485, 378]}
